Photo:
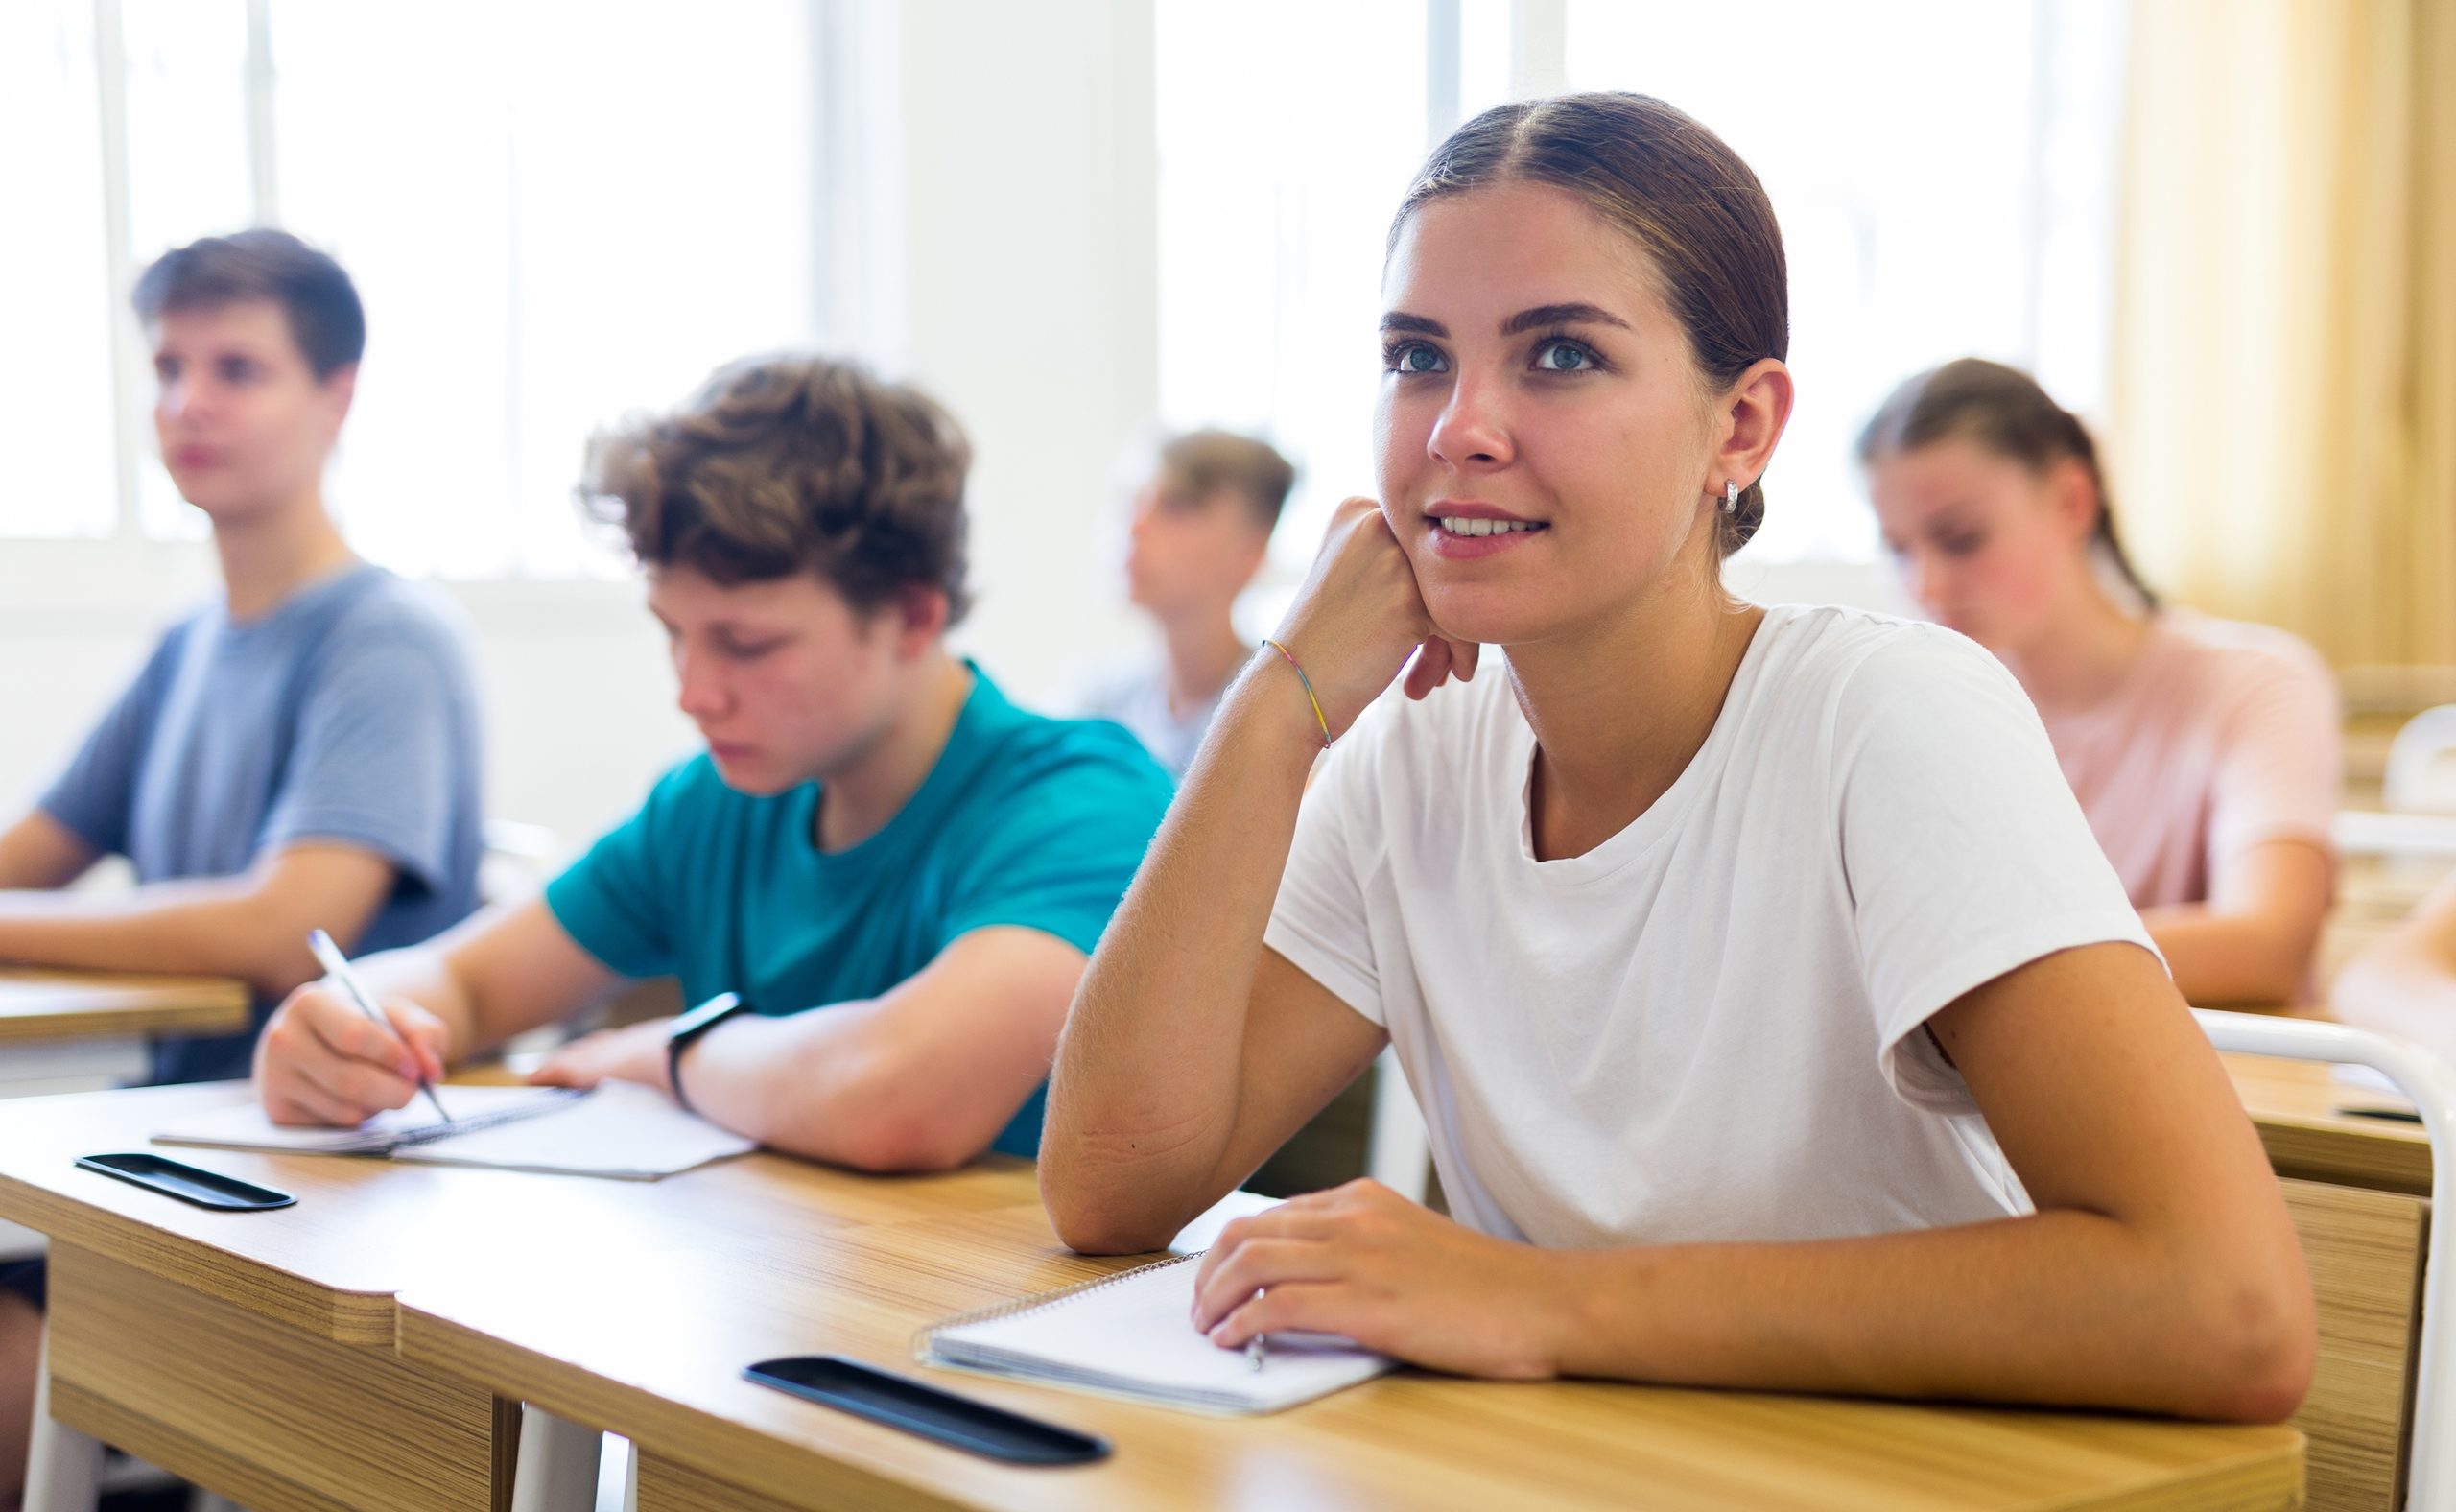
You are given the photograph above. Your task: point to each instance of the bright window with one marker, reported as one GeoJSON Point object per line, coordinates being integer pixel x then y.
{"type": "Point", "coordinates": [556, 212]}
{"type": "Point", "coordinates": [1281, 160]}
{"type": "Point", "coordinates": [57, 384]}
{"type": "Point", "coordinates": [1943, 174]}
{"type": "Point", "coordinates": [1945, 177]}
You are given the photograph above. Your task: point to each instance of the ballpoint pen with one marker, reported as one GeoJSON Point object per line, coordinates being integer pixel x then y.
{"type": "Point", "coordinates": [1255, 1350]}
{"type": "Point", "coordinates": [336, 966]}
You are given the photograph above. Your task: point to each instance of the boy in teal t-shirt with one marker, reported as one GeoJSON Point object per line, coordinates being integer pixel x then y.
{"type": "Point", "coordinates": [882, 879]}
{"type": "Point", "coordinates": [1025, 822]}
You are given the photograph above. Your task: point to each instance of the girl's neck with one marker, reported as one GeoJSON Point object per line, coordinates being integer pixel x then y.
{"type": "Point", "coordinates": [1620, 710]}
{"type": "Point", "coordinates": [2092, 646]}
{"type": "Point", "coordinates": [270, 555]}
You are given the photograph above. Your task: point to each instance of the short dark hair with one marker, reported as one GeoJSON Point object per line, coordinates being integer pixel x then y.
{"type": "Point", "coordinates": [325, 318]}
{"type": "Point", "coordinates": [1206, 461]}
{"type": "Point", "coordinates": [782, 464]}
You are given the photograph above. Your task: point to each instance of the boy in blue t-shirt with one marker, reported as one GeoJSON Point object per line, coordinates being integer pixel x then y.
{"type": "Point", "coordinates": [300, 754]}
{"type": "Point", "coordinates": [897, 873]}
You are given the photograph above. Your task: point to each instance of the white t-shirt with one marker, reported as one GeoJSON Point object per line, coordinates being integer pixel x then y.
{"type": "Point", "coordinates": [1709, 1027]}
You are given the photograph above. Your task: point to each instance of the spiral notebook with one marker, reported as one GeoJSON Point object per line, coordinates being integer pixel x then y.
{"type": "Point", "coordinates": [1132, 1336]}
{"type": "Point", "coordinates": [618, 1130]}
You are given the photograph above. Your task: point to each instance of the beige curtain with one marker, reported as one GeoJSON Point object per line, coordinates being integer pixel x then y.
{"type": "Point", "coordinates": [2282, 413]}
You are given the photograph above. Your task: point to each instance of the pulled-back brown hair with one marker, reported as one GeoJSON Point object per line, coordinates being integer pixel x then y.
{"type": "Point", "coordinates": [2004, 411]}
{"type": "Point", "coordinates": [1205, 462]}
{"type": "Point", "coordinates": [1675, 188]}
{"type": "Point", "coordinates": [786, 464]}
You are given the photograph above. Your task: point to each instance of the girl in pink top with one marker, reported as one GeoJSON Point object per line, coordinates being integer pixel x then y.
{"type": "Point", "coordinates": [2204, 752]}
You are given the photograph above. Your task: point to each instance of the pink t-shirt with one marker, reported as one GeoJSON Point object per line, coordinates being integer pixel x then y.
{"type": "Point", "coordinates": [2222, 736]}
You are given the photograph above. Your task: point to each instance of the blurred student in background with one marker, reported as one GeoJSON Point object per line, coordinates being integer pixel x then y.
{"type": "Point", "coordinates": [2406, 983]}
{"type": "Point", "coordinates": [300, 753]}
{"type": "Point", "coordinates": [2204, 752]}
{"type": "Point", "coordinates": [1201, 527]}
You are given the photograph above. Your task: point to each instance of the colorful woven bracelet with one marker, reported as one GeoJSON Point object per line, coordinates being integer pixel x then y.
{"type": "Point", "coordinates": [1318, 717]}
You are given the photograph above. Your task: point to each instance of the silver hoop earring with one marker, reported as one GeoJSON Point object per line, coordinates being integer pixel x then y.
{"type": "Point", "coordinates": [1730, 496]}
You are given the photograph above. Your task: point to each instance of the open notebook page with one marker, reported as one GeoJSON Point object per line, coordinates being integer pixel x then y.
{"type": "Point", "coordinates": [246, 1127]}
{"type": "Point", "coordinates": [1133, 1336]}
{"type": "Point", "coordinates": [621, 1129]}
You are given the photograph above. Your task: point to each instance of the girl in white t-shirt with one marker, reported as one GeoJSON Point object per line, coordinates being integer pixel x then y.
{"type": "Point", "coordinates": [1776, 1021]}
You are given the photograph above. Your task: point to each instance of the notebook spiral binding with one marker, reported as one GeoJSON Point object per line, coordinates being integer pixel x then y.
{"type": "Point", "coordinates": [924, 1341]}
{"type": "Point", "coordinates": [483, 1120]}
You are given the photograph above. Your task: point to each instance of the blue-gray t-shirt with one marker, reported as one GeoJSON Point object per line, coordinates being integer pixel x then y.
{"type": "Point", "coordinates": [346, 714]}
{"type": "Point", "coordinates": [1024, 820]}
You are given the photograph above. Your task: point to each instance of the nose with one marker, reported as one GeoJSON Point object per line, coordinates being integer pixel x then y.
{"type": "Point", "coordinates": [699, 689]}
{"type": "Point", "coordinates": [180, 400]}
{"type": "Point", "coordinates": [1473, 432]}
{"type": "Point", "coordinates": [1926, 573]}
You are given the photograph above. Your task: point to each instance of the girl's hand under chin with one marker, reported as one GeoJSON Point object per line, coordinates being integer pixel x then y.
{"type": "Point", "coordinates": [1361, 615]}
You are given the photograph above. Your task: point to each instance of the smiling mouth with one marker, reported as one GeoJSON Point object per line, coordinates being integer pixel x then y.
{"type": "Point", "coordinates": [1460, 524]}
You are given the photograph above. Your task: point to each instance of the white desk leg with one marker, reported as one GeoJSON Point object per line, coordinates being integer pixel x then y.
{"type": "Point", "coordinates": [63, 1467]}
{"type": "Point", "coordinates": [630, 1476]}
{"type": "Point", "coordinates": [556, 1471]}
{"type": "Point", "coordinates": [1400, 1154]}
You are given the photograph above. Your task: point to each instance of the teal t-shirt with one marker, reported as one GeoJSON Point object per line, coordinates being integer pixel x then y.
{"type": "Point", "coordinates": [1024, 820]}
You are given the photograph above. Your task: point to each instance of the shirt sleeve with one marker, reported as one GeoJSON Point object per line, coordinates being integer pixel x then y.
{"type": "Point", "coordinates": [95, 793]}
{"type": "Point", "coordinates": [613, 901]}
{"type": "Point", "coordinates": [386, 736]}
{"type": "Point", "coordinates": [1318, 921]}
{"type": "Point", "coordinates": [2280, 767]}
{"type": "Point", "coordinates": [1965, 853]}
{"type": "Point", "coordinates": [1060, 850]}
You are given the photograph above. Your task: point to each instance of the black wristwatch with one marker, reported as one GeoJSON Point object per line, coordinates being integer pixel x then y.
{"type": "Point", "coordinates": [686, 1030]}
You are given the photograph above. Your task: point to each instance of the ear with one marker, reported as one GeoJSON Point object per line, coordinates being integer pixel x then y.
{"type": "Point", "coordinates": [2073, 497]}
{"type": "Point", "coordinates": [341, 390]}
{"type": "Point", "coordinates": [1749, 417]}
{"type": "Point", "coordinates": [919, 617]}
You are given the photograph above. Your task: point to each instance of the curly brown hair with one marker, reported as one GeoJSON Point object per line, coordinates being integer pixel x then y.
{"type": "Point", "coordinates": [786, 464]}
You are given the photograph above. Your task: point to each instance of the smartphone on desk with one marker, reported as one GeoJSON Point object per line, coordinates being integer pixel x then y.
{"type": "Point", "coordinates": [918, 1408]}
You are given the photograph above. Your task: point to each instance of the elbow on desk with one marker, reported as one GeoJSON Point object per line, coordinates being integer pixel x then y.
{"type": "Point", "coordinates": [1090, 1223]}
{"type": "Point", "coordinates": [2250, 1347]}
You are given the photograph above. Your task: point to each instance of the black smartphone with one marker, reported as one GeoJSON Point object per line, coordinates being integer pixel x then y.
{"type": "Point", "coordinates": [206, 1188]}
{"type": "Point", "coordinates": [916, 1406]}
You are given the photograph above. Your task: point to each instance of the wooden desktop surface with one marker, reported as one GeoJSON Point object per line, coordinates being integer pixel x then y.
{"type": "Point", "coordinates": [693, 1314]}
{"type": "Point", "coordinates": [257, 1349]}
{"type": "Point", "coordinates": [38, 1005]}
{"type": "Point", "coordinates": [254, 1351]}
{"type": "Point", "coordinates": [2294, 1105]}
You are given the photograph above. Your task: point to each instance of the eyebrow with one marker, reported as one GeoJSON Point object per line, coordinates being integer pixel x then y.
{"type": "Point", "coordinates": [1536, 319]}
{"type": "Point", "coordinates": [1544, 314]}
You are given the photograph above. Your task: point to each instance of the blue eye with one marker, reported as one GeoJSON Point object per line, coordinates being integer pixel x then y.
{"type": "Point", "coordinates": [1562, 357]}
{"type": "Point", "coordinates": [1414, 357]}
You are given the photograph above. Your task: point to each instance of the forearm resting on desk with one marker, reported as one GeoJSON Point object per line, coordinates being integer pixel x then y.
{"type": "Point", "coordinates": [2062, 1308]}
{"type": "Point", "coordinates": [252, 927]}
{"type": "Point", "coordinates": [920, 1078]}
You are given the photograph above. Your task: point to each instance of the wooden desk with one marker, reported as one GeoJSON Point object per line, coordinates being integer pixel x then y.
{"type": "Point", "coordinates": [254, 1351]}
{"type": "Point", "coordinates": [693, 1315]}
{"type": "Point", "coordinates": [88, 1004]}
{"type": "Point", "coordinates": [2358, 1189]}
{"type": "Point", "coordinates": [2293, 1104]}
